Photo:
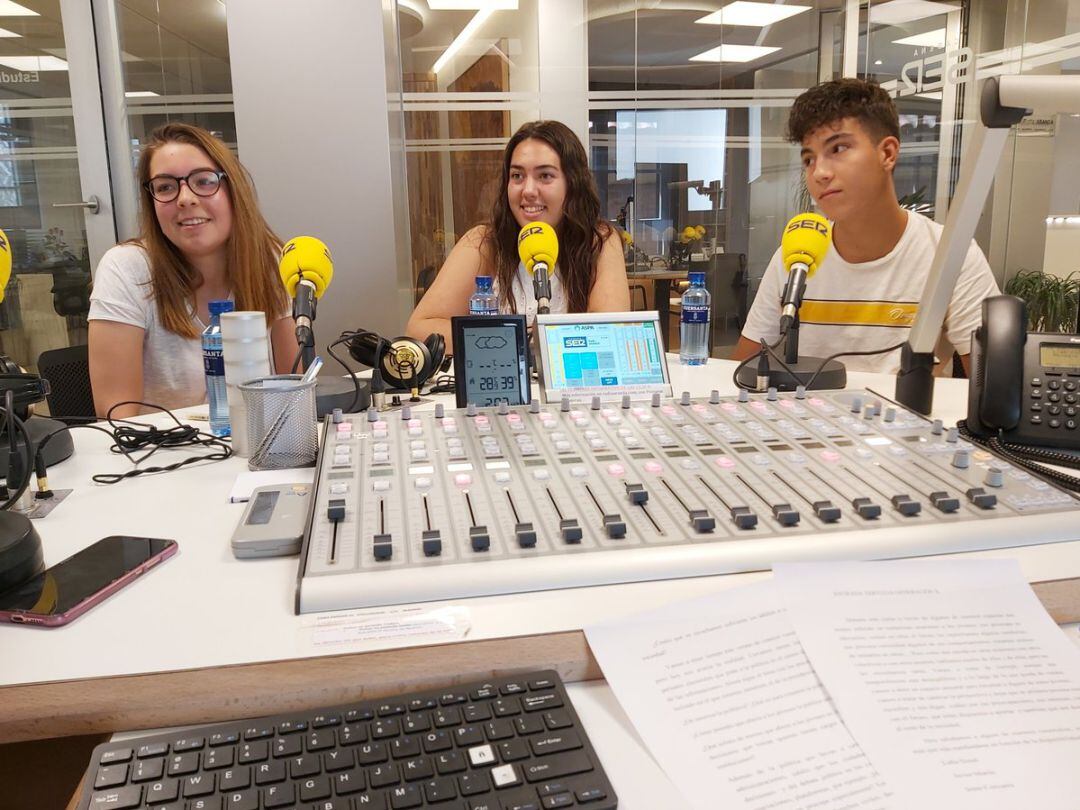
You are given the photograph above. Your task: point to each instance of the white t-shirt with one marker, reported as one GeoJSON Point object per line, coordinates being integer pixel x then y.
{"type": "Point", "coordinates": [173, 374]}
{"type": "Point", "coordinates": [872, 305]}
{"type": "Point", "coordinates": [525, 300]}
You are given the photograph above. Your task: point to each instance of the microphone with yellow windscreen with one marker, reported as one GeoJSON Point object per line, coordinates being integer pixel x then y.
{"type": "Point", "coordinates": [804, 244]}
{"type": "Point", "coordinates": [538, 247]}
{"type": "Point", "coordinates": [306, 268]}
{"type": "Point", "coordinates": [5, 263]}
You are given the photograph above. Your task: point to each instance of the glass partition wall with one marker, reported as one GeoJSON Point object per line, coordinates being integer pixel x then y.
{"type": "Point", "coordinates": [687, 105]}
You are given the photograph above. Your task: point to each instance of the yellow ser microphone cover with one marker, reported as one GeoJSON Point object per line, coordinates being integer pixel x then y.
{"type": "Point", "coordinates": [5, 263]}
{"type": "Point", "coordinates": [537, 243]}
{"type": "Point", "coordinates": [806, 240]}
{"type": "Point", "coordinates": [307, 258]}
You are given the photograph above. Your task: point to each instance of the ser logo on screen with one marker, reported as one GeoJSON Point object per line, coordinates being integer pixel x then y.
{"type": "Point", "coordinates": [575, 342]}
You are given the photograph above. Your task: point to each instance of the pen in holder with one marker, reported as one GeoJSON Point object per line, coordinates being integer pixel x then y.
{"type": "Point", "coordinates": [282, 425]}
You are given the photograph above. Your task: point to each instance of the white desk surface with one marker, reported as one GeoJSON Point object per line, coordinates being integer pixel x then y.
{"type": "Point", "coordinates": [203, 608]}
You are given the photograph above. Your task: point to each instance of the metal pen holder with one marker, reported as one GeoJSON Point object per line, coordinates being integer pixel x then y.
{"type": "Point", "coordinates": [281, 422]}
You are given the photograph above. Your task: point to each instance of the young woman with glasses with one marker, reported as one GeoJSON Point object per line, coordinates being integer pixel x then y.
{"type": "Point", "coordinates": [545, 178]}
{"type": "Point", "coordinates": [202, 239]}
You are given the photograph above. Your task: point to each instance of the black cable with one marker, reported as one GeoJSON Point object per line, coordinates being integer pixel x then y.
{"type": "Point", "coordinates": [1026, 456]}
{"type": "Point", "coordinates": [832, 357]}
{"type": "Point", "coordinates": [129, 437]}
{"type": "Point", "coordinates": [742, 365]}
{"type": "Point", "coordinates": [12, 419]}
{"type": "Point", "coordinates": [345, 338]}
{"type": "Point", "coordinates": [295, 362]}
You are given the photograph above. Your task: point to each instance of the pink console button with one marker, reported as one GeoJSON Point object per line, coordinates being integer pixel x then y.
{"type": "Point", "coordinates": [616, 469]}
{"type": "Point", "coordinates": [729, 406]}
{"type": "Point", "coordinates": [463, 479]}
{"type": "Point", "coordinates": [725, 461]}
{"type": "Point", "coordinates": [787, 403]}
{"type": "Point", "coordinates": [415, 423]}
{"type": "Point", "coordinates": [653, 467]}
{"type": "Point", "coordinates": [830, 455]}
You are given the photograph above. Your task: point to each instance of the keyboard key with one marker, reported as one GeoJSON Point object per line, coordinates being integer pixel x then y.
{"type": "Point", "coordinates": [338, 760]}
{"type": "Point", "coordinates": [270, 772]}
{"type": "Point", "coordinates": [512, 688]}
{"type": "Point", "coordinates": [369, 801]}
{"type": "Point", "coordinates": [218, 758]}
{"type": "Point", "coordinates": [450, 762]}
{"type": "Point", "coordinates": [406, 796]}
{"type": "Point", "coordinates": [536, 703]}
{"type": "Point", "coordinates": [558, 800]}
{"type": "Point", "coordinates": [435, 741]}
{"type": "Point", "coordinates": [417, 768]}
{"type": "Point", "coordinates": [372, 753]}
{"type": "Point", "coordinates": [320, 741]}
{"type": "Point", "coordinates": [164, 790]}
{"type": "Point", "coordinates": [118, 799]}
{"type": "Point", "coordinates": [556, 766]}
{"type": "Point", "coordinates": [358, 715]}
{"type": "Point", "coordinates": [111, 776]}
{"type": "Point", "coordinates": [514, 750]}
{"type": "Point", "coordinates": [224, 738]}
{"type": "Point", "coordinates": [555, 743]}
{"type": "Point", "coordinates": [242, 800]}
{"type": "Point", "coordinates": [506, 708]}
{"type": "Point", "coordinates": [291, 726]}
{"type": "Point", "coordinates": [188, 744]}
{"type": "Point", "coordinates": [352, 734]}
{"type": "Point", "coordinates": [278, 796]}
{"type": "Point", "coordinates": [539, 684]}
{"type": "Point", "coordinates": [200, 784]}
{"type": "Point", "coordinates": [420, 704]}
{"type": "Point", "coordinates": [258, 732]}
{"type": "Point", "coordinates": [253, 752]}
{"type": "Point", "coordinates": [384, 729]}
{"type": "Point", "coordinates": [288, 746]}
{"type": "Point", "coordinates": [306, 765]}
{"type": "Point", "coordinates": [439, 790]}
{"type": "Point", "coordinates": [590, 794]}
{"type": "Point", "coordinates": [529, 724]}
{"type": "Point", "coordinates": [471, 784]}
{"type": "Point", "coordinates": [153, 750]}
{"type": "Point", "coordinates": [558, 719]}
{"type": "Point", "coordinates": [481, 755]}
{"type": "Point", "coordinates": [505, 776]}
{"type": "Point", "coordinates": [484, 692]}
{"type": "Point", "coordinates": [475, 712]}
{"type": "Point", "coordinates": [311, 790]}
{"type": "Point", "coordinates": [405, 747]}
{"type": "Point", "coordinates": [413, 723]}
{"type": "Point", "coordinates": [447, 717]}
{"type": "Point", "coordinates": [451, 698]}
{"type": "Point", "coordinates": [148, 769]}
{"type": "Point", "coordinates": [383, 775]}
{"type": "Point", "coordinates": [205, 803]}
{"type": "Point", "coordinates": [499, 730]}
{"type": "Point", "coordinates": [235, 779]}
{"type": "Point", "coordinates": [349, 781]}
{"type": "Point", "coordinates": [465, 736]}
{"type": "Point", "coordinates": [390, 709]}
{"type": "Point", "coordinates": [116, 755]}
{"type": "Point", "coordinates": [333, 804]}
{"type": "Point", "coordinates": [183, 764]}
{"type": "Point", "coordinates": [325, 720]}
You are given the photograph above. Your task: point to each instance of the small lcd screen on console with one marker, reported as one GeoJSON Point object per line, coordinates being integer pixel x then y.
{"type": "Point", "coordinates": [491, 363]}
{"type": "Point", "coordinates": [602, 354]}
{"type": "Point", "coordinates": [587, 355]}
{"type": "Point", "coordinates": [1059, 355]}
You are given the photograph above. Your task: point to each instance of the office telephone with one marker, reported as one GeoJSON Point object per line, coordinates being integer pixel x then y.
{"type": "Point", "coordinates": [1025, 386]}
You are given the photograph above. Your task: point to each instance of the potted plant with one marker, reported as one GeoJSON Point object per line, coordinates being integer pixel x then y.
{"type": "Point", "coordinates": [1051, 300]}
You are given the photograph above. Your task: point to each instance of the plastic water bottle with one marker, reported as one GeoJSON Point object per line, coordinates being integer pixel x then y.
{"type": "Point", "coordinates": [694, 328]}
{"type": "Point", "coordinates": [214, 366]}
{"type": "Point", "coordinates": [483, 301]}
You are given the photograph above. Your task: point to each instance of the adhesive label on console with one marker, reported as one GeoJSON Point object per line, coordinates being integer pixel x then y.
{"type": "Point", "coordinates": [404, 623]}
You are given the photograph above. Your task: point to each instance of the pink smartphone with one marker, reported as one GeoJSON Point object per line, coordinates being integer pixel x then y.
{"type": "Point", "coordinates": [70, 588]}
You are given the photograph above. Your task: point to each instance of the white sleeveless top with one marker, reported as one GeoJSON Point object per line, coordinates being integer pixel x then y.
{"type": "Point", "coordinates": [525, 300]}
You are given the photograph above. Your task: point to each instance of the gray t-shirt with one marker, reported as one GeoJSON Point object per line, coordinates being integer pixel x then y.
{"type": "Point", "coordinates": [172, 365]}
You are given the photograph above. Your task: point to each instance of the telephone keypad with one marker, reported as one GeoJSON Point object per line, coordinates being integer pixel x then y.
{"type": "Point", "coordinates": [1036, 382]}
{"type": "Point", "coordinates": [1036, 393]}
{"type": "Point", "coordinates": [1036, 419]}
{"type": "Point", "coordinates": [1054, 423]}
{"type": "Point", "coordinates": [1053, 385]}
{"type": "Point", "coordinates": [1054, 397]}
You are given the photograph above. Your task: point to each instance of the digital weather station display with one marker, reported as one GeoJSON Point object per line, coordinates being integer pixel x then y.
{"type": "Point", "coordinates": [594, 355]}
{"type": "Point", "coordinates": [492, 365]}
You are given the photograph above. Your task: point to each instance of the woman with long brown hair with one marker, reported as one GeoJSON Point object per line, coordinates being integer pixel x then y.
{"type": "Point", "coordinates": [546, 177]}
{"type": "Point", "coordinates": [202, 239]}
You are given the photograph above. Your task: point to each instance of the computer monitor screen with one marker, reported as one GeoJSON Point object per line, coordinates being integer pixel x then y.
{"type": "Point", "coordinates": [605, 354]}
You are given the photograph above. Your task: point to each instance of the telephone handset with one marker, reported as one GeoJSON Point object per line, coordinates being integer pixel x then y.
{"type": "Point", "coordinates": [1025, 387]}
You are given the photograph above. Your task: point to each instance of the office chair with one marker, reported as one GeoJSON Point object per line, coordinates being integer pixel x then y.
{"type": "Point", "coordinates": [68, 373]}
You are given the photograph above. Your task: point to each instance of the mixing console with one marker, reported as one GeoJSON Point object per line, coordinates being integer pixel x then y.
{"type": "Point", "coordinates": [447, 503]}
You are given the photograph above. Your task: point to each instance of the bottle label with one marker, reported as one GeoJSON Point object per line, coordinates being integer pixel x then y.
{"type": "Point", "coordinates": [213, 362]}
{"type": "Point", "coordinates": [695, 313]}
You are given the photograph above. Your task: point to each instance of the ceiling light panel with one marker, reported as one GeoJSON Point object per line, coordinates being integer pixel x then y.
{"type": "Point", "coordinates": [758, 15]}
{"type": "Point", "coordinates": [898, 12]}
{"type": "Point", "coordinates": [10, 9]}
{"type": "Point", "coordinates": [927, 39]}
{"type": "Point", "coordinates": [473, 5]}
{"type": "Point", "coordinates": [734, 53]}
{"type": "Point", "coordinates": [459, 41]}
{"type": "Point", "coordinates": [33, 63]}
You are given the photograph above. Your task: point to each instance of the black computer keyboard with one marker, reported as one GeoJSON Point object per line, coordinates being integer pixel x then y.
{"type": "Point", "coordinates": [508, 744]}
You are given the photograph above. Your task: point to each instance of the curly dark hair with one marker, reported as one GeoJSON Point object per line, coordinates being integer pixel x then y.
{"type": "Point", "coordinates": [828, 102]}
{"type": "Point", "coordinates": [581, 231]}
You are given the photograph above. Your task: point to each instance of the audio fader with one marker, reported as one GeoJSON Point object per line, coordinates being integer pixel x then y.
{"type": "Point", "coordinates": [446, 504]}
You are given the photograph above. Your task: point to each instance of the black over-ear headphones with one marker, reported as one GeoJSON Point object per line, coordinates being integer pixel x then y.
{"type": "Point", "coordinates": [404, 362]}
{"type": "Point", "coordinates": [27, 388]}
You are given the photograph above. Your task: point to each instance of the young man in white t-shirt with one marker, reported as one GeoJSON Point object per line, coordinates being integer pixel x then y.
{"type": "Point", "coordinates": [866, 292]}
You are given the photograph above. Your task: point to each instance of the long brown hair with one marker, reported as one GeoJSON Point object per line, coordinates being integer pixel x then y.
{"type": "Point", "coordinates": [252, 249]}
{"type": "Point", "coordinates": [581, 232]}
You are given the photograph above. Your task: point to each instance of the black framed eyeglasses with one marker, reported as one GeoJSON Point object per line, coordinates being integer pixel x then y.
{"type": "Point", "coordinates": [202, 182]}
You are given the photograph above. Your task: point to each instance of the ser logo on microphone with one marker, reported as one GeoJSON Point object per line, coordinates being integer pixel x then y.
{"type": "Point", "coordinates": [807, 222]}
{"type": "Point", "coordinates": [533, 230]}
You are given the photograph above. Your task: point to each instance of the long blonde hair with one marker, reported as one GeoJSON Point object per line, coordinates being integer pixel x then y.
{"type": "Point", "coordinates": [252, 249]}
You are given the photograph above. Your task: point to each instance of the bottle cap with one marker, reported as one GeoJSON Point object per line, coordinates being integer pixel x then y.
{"type": "Point", "coordinates": [483, 283]}
{"type": "Point", "coordinates": [696, 277]}
{"type": "Point", "coordinates": [217, 307]}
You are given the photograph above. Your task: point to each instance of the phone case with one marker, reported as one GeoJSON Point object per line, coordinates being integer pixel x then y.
{"type": "Point", "coordinates": [39, 620]}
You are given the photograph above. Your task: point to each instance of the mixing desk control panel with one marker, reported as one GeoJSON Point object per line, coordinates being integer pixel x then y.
{"type": "Point", "coordinates": [448, 503]}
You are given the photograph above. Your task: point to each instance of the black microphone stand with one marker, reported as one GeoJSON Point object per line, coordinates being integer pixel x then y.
{"type": "Point", "coordinates": [832, 375]}
{"type": "Point", "coordinates": [331, 392]}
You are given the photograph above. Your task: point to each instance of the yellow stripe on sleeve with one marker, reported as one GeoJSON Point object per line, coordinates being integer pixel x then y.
{"type": "Point", "coordinates": [859, 313]}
